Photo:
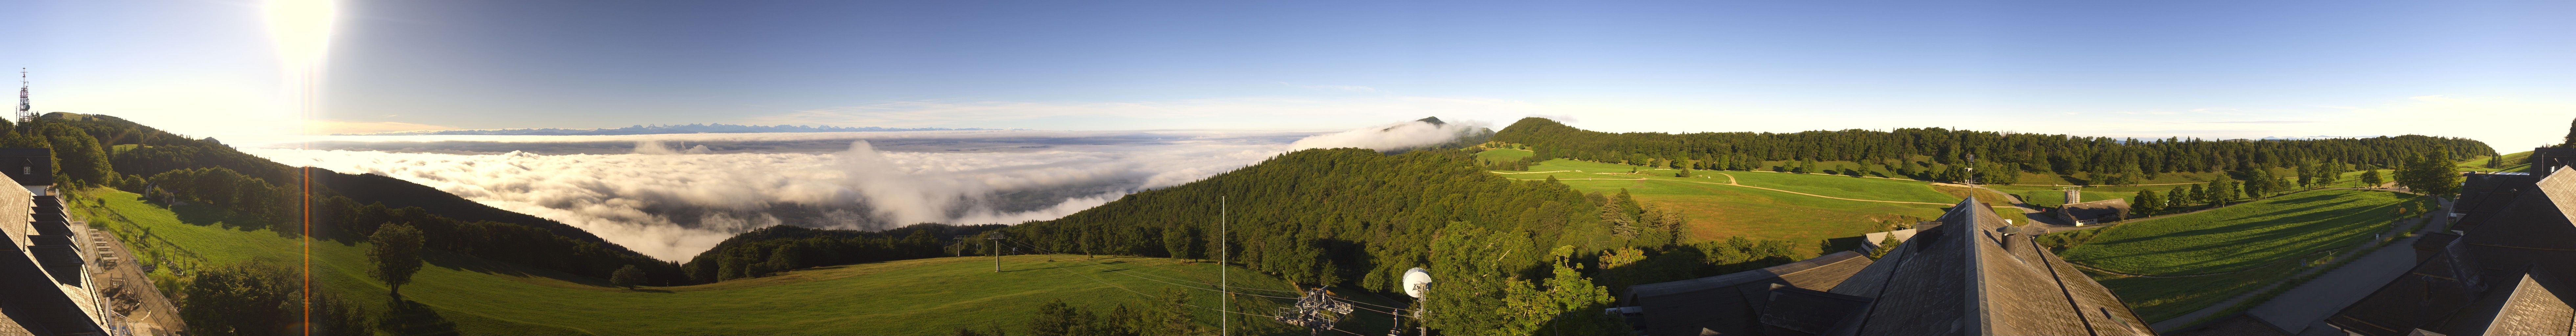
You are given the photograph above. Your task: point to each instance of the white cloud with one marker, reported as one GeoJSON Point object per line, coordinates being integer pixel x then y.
{"type": "Point", "coordinates": [1230, 113]}
{"type": "Point", "coordinates": [671, 202]}
{"type": "Point", "coordinates": [1394, 137]}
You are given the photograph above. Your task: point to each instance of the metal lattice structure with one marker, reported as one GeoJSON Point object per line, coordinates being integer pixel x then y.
{"type": "Point", "coordinates": [1315, 311]}
{"type": "Point", "coordinates": [26, 112]}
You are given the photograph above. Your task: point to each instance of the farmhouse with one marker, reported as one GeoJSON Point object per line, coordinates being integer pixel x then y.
{"type": "Point", "coordinates": [2095, 212]}
{"type": "Point", "coordinates": [1972, 275]}
{"type": "Point", "coordinates": [2506, 271]}
{"type": "Point", "coordinates": [45, 286]}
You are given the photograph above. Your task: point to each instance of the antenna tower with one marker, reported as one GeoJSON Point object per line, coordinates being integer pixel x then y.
{"type": "Point", "coordinates": [26, 112]}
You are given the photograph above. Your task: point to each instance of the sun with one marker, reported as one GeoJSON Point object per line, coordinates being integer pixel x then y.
{"type": "Point", "coordinates": [301, 30]}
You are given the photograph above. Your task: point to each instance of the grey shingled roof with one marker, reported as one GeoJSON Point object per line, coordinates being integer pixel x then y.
{"type": "Point", "coordinates": [1962, 279]}
{"type": "Point", "coordinates": [1730, 304]}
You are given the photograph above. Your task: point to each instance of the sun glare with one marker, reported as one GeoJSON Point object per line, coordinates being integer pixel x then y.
{"type": "Point", "coordinates": [301, 30]}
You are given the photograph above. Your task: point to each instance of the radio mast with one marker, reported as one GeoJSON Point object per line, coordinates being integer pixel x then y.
{"type": "Point", "coordinates": [26, 112]}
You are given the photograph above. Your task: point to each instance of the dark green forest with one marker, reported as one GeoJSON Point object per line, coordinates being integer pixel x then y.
{"type": "Point", "coordinates": [2101, 160]}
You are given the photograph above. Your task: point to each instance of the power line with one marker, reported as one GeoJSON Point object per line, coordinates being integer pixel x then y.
{"type": "Point", "coordinates": [1151, 296]}
{"type": "Point", "coordinates": [1126, 272]}
{"type": "Point", "coordinates": [1389, 309]}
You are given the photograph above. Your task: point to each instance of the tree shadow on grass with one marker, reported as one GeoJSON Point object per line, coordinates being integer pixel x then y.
{"type": "Point", "coordinates": [408, 318]}
{"type": "Point", "coordinates": [454, 261]}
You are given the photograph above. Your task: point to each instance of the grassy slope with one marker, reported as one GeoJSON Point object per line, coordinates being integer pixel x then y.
{"type": "Point", "coordinates": [1721, 211]}
{"type": "Point", "coordinates": [2262, 242]}
{"type": "Point", "coordinates": [912, 297]}
{"type": "Point", "coordinates": [2512, 162]}
{"type": "Point", "coordinates": [1504, 154]}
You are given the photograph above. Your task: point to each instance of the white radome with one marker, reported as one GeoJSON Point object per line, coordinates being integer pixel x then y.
{"type": "Point", "coordinates": [1415, 280]}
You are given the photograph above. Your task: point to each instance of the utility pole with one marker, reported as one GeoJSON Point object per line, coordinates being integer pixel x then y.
{"type": "Point", "coordinates": [1224, 321]}
{"type": "Point", "coordinates": [995, 240]}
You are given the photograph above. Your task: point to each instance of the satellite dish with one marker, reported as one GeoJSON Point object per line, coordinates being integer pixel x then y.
{"type": "Point", "coordinates": [1416, 281]}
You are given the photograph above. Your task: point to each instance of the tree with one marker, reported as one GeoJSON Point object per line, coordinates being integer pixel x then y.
{"type": "Point", "coordinates": [1884, 244]}
{"type": "Point", "coordinates": [2177, 197]}
{"type": "Point", "coordinates": [2259, 182]}
{"type": "Point", "coordinates": [1561, 306]}
{"type": "Point", "coordinates": [1684, 172]}
{"type": "Point", "coordinates": [2430, 174]}
{"type": "Point", "coordinates": [395, 250]}
{"type": "Point", "coordinates": [79, 157]}
{"type": "Point", "coordinates": [1181, 241]}
{"type": "Point", "coordinates": [2371, 179]}
{"type": "Point", "coordinates": [2222, 190]}
{"type": "Point", "coordinates": [2147, 202]}
{"type": "Point", "coordinates": [628, 277]}
{"type": "Point", "coordinates": [2571, 135]}
{"type": "Point", "coordinates": [261, 299]}
{"type": "Point", "coordinates": [2495, 162]}
{"type": "Point", "coordinates": [1055, 318]}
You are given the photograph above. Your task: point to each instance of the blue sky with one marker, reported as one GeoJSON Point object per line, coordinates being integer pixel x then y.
{"type": "Point", "coordinates": [2147, 69]}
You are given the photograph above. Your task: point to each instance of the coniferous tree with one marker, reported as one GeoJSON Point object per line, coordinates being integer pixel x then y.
{"type": "Point", "coordinates": [2495, 162]}
{"type": "Point", "coordinates": [2178, 197]}
{"type": "Point", "coordinates": [2222, 191]}
{"type": "Point", "coordinates": [2147, 203]}
{"type": "Point", "coordinates": [2571, 135]}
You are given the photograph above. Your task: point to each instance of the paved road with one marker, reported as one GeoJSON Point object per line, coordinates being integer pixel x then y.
{"type": "Point", "coordinates": [2309, 304]}
{"type": "Point", "coordinates": [2321, 297]}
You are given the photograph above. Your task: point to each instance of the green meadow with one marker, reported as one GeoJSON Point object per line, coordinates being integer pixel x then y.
{"type": "Point", "coordinates": [2233, 249]}
{"type": "Point", "coordinates": [475, 297]}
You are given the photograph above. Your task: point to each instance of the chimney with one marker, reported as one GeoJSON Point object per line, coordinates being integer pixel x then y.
{"type": "Point", "coordinates": [2010, 236]}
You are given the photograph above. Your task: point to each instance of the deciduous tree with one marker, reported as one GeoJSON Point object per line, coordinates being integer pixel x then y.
{"type": "Point", "coordinates": [395, 250]}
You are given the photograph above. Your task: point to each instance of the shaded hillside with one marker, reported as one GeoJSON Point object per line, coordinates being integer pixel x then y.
{"type": "Point", "coordinates": [206, 171]}
{"type": "Point", "coordinates": [396, 193]}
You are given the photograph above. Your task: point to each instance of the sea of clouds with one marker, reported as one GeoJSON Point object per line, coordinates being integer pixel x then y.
{"type": "Point", "coordinates": [672, 196]}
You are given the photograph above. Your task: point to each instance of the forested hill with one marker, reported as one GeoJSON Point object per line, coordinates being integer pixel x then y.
{"type": "Point", "coordinates": [104, 151]}
{"type": "Point", "coordinates": [2034, 153]}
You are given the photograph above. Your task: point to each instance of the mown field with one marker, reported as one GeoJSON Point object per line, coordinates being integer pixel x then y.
{"type": "Point", "coordinates": [1718, 211]}
{"type": "Point", "coordinates": [2512, 162]}
{"type": "Point", "coordinates": [474, 297]}
{"type": "Point", "coordinates": [2258, 242]}
{"type": "Point", "coordinates": [1503, 154]}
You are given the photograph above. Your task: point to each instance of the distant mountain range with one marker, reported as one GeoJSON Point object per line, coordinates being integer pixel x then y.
{"type": "Point", "coordinates": [669, 129]}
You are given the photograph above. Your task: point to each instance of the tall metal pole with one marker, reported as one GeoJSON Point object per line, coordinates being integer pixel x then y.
{"type": "Point", "coordinates": [1225, 303]}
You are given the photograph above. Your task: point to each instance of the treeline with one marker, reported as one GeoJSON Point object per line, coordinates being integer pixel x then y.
{"type": "Point", "coordinates": [1513, 256]}
{"type": "Point", "coordinates": [783, 247]}
{"type": "Point", "coordinates": [2100, 159]}
{"type": "Point", "coordinates": [207, 171]}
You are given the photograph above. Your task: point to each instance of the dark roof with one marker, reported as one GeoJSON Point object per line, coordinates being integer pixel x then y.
{"type": "Point", "coordinates": [2522, 306]}
{"type": "Point", "coordinates": [2096, 209]}
{"type": "Point", "coordinates": [28, 166]}
{"type": "Point", "coordinates": [2499, 274]}
{"type": "Point", "coordinates": [1730, 304]}
{"type": "Point", "coordinates": [2545, 159]}
{"type": "Point", "coordinates": [1965, 278]}
{"type": "Point", "coordinates": [2483, 195]}
{"type": "Point", "coordinates": [1800, 311]}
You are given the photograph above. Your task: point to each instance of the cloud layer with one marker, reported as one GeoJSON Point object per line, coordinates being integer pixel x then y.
{"type": "Point", "coordinates": [672, 196]}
